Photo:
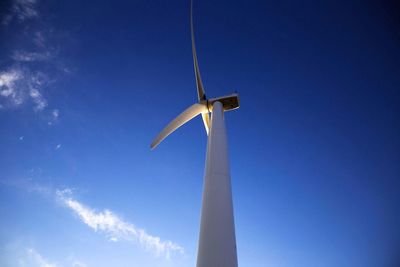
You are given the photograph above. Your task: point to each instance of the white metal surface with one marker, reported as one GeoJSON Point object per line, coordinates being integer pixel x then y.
{"type": "Point", "coordinates": [217, 242]}
{"type": "Point", "coordinates": [199, 83]}
{"type": "Point", "coordinates": [182, 118]}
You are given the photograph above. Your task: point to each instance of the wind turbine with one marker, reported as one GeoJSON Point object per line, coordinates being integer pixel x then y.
{"type": "Point", "coordinates": [217, 241]}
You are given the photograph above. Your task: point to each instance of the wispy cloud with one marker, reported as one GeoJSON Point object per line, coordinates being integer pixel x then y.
{"type": "Point", "coordinates": [25, 56]}
{"type": "Point", "coordinates": [8, 86]}
{"type": "Point", "coordinates": [19, 85]}
{"type": "Point", "coordinates": [17, 255]}
{"type": "Point", "coordinates": [39, 38]}
{"type": "Point", "coordinates": [77, 263]}
{"type": "Point", "coordinates": [38, 99]}
{"type": "Point", "coordinates": [115, 228]}
{"type": "Point", "coordinates": [55, 114]}
{"type": "Point", "coordinates": [21, 10]}
{"type": "Point", "coordinates": [105, 222]}
{"type": "Point", "coordinates": [37, 260]}
{"type": "Point", "coordinates": [35, 62]}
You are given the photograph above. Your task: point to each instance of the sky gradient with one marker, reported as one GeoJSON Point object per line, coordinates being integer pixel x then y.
{"type": "Point", "coordinates": [314, 148]}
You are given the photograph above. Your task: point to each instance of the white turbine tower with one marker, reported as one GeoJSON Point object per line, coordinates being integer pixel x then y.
{"type": "Point", "coordinates": [217, 241]}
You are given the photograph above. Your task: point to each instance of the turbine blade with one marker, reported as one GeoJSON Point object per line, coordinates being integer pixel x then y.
{"type": "Point", "coordinates": [184, 117]}
{"type": "Point", "coordinates": [206, 121]}
{"type": "Point", "coordinates": [199, 84]}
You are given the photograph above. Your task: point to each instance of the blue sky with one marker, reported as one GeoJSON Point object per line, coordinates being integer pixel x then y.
{"type": "Point", "coordinates": [314, 147]}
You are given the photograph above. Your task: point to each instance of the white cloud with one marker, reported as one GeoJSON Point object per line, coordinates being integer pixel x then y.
{"type": "Point", "coordinates": [21, 10]}
{"type": "Point", "coordinates": [7, 79]}
{"type": "Point", "coordinates": [17, 85]}
{"type": "Point", "coordinates": [55, 114]}
{"type": "Point", "coordinates": [39, 39]}
{"type": "Point", "coordinates": [53, 117]}
{"type": "Point", "coordinates": [37, 260]}
{"type": "Point", "coordinates": [25, 56]}
{"type": "Point", "coordinates": [22, 81]}
{"type": "Point", "coordinates": [105, 222]}
{"type": "Point", "coordinates": [115, 228]}
{"type": "Point", "coordinates": [8, 86]}
{"type": "Point", "coordinates": [17, 254]}
{"type": "Point", "coordinates": [79, 264]}
{"type": "Point", "coordinates": [38, 99]}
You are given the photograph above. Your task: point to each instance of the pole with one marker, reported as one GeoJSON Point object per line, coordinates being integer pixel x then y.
{"type": "Point", "coordinates": [217, 241]}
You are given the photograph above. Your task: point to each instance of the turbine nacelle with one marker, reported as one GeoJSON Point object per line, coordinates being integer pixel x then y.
{"type": "Point", "coordinates": [229, 102]}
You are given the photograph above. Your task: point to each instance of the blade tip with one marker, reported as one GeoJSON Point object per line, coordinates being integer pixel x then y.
{"type": "Point", "coordinates": [153, 145]}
